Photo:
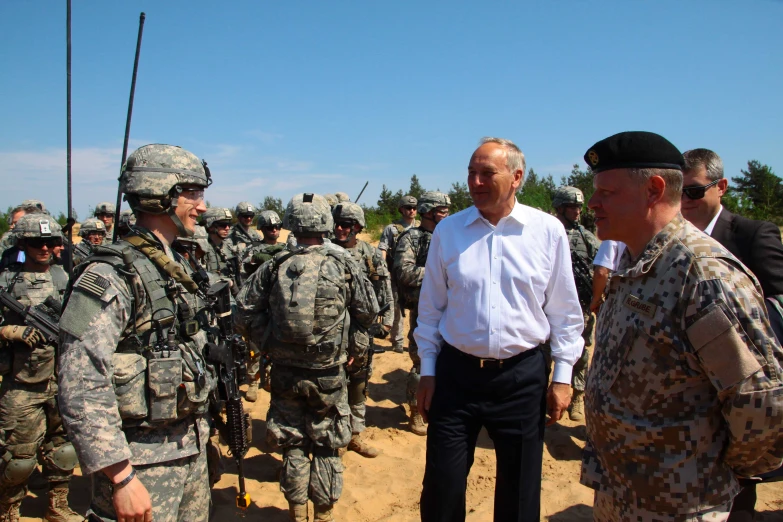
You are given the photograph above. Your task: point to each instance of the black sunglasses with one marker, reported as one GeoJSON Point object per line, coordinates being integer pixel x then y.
{"type": "Point", "coordinates": [40, 242]}
{"type": "Point", "coordinates": [409, 208]}
{"type": "Point", "coordinates": [697, 192]}
{"type": "Point", "coordinates": [344, 224]}
{"type": "Point", "coordinates": [223, 224]}
{"type": "Point", "coordinates": [245, 216]}
{"type": "Point", "coordinates": [272, 227]}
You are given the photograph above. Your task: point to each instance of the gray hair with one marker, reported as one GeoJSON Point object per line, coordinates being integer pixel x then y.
{"type": "Point", "coordinates": [672, 177]}
{"type": "Point", "coordinates": [706, 158]}
{"type": "Point", "coordinates": [515, 160]}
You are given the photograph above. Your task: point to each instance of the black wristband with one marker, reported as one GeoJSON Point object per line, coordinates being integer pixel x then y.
{"type": "Point", "coordinates": [124, 482]}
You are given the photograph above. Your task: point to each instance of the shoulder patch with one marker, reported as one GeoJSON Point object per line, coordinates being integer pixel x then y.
{"type": "Point", "coordinates": [93, 284]}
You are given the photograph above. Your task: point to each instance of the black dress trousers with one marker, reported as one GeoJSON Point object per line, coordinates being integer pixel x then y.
{"type": "Point", "coordinates": [510, 401]}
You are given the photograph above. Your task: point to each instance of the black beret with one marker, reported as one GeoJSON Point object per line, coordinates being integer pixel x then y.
{"type": "Point", "coordinates": [634, 150]}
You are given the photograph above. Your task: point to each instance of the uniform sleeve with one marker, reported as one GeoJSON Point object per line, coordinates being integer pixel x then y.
{"type": "Point", "coordinates": [387, 238]}
{"type": "Point", "coordinates": [383, 288]}
{"type": "Point", "coordinates": [90, 327]}
{"type": "Point", "coordinates": [405, 268]}
{"type": "Point", "coordinates": [727, 327]}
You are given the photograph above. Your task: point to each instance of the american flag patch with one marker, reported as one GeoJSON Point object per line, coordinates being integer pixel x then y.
{"type": "Point", "coordinates": [93, 284]}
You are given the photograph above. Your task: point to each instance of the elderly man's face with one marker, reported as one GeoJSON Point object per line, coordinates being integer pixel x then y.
{"type": "Point", "coordinates": [620, 204]}
{"type": "Point", "coordinates": [490, 182]}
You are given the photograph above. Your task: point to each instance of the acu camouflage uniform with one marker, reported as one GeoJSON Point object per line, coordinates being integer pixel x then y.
{"type": "Point", "coordinates": [368, 258]}
{"type": "Point", "coordinates": [389, 243]}
{"type": "Point", "coordinates": [410, 256]}
{"type": "Point", "coordinates": [309, 310]}
{"type": "Point", "coordinates": [684, 391]}
{"type": "Point", "coordinates": [30, 422]}
{"type": "Point", "coordinates": [240, 238]}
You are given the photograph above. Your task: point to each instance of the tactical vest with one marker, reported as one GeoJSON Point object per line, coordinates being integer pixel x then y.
{"type": "Point", "coordinates": [160, 375]}
{"type": "Point", "coordinates": [81, 251]}
{"type": "Point", "coordinates": [408, 296]}
{"type": "Point", "coordinates": [308, 303]}
{"type": "Point", "coordinates": [31, 366]}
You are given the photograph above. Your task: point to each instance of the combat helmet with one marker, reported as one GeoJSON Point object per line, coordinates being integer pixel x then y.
{"type": "Point", "coordinates": [37, 225]}
{"type": "Point", "coordinates": [342, 197]}
{"type": "Point", "coordinates": [104, 208]}
{"type": "Point", "coordinates": [245, 208]}
{"type": "Point", "coordinates": [34, 203]}
{"type": "Point", "coordinates": [567, 196]}
{"type": "Point", "coordinates": [200, 238]}
{"type": "Point", "coordinates": [215, 214]}
{"type": "Point", "coordinates": [433, 199]}
{"type": "Point", "coordinates": [154, 175]}
{"type": "Point", "coordinates": [92, 225]}
{"type": "Point", "coordinates": [268, 218]}
{"type": "Point", "coordinates": [407, 201]}
{"type": "Point", "coordinates": [331, 199]}
{"type": "Point", "coordinates": [308, 215]}
{"type": "Point", "coordinates": [347, 211]}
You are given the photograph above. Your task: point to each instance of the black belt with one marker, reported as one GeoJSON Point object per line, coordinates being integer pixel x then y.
{"type": "Point", "coordinates": [488, 364]}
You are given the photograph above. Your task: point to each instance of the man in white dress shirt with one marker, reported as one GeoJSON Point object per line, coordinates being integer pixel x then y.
{"type": "Point", "coordinates": [498, 284]}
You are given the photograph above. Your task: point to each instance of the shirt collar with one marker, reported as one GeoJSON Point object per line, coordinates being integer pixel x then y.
{"type": "Point", "coordinates": [518, 214]}
{"type": "Point", "coordinates": [711, 226]}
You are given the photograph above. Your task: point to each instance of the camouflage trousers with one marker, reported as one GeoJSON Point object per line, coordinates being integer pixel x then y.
{"type": "Point", "coordinates": [30, 428]}
{"type": "Point", "coordinates": [579, 375]}
{"type": "Point", "coordinates": [179, 491]}
{"type": "Point", "coordinates": [309, 416]}
{"type": "Point", "coordinates": [398, 326]}
{"type": "Point", "coordinates": [607, 509]}
{"type": "Point", "coordinates": [357, 384]}
{"type": "Point", "coordinates": [414, 376]}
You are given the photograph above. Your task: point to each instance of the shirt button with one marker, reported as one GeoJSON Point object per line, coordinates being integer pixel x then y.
{"type": "Point", "coordinates": [494, 282]}
{"type": "Point", "coordinates": [493, 306]}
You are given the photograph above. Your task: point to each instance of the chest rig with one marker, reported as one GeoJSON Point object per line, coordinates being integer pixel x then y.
{"type": "Point", "coordinates": [160, 374]}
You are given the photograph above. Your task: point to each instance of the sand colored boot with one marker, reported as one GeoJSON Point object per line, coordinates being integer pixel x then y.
{"type": "Point", "coordinates": [576, 411]}
{"type": "Point", "coordinates": [297, 512]}
{"type": "Point", "coordinates": [416, 423]}
{"type": "Point", "coordinates": [10, 512]}
{"type": "Point", "coordinates": [323, 513]}
{"type": "Point", "coordinates": [360, 446]}
{"type": "Point", "coordinates": [58, 510]}
{"type": "Point", "coordinates": [252, 391]}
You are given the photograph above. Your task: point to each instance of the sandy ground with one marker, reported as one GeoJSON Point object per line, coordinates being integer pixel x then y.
{"type": "Point", "coordinates": [387, 488]}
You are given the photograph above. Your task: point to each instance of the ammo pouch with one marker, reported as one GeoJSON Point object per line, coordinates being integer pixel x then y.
{"type": "Point", "coordinates": [358, 342]}
{"type": "Point", "coordinates": [164, 375]}
{"type": "Point", "coordinates": [32, 366]}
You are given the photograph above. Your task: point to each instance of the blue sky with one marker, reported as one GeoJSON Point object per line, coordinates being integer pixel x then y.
{"type": "Point", "coordinates": [280, 98]}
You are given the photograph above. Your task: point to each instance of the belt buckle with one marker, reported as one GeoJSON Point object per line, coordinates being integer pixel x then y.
{"type": "Point", "coordinates": [498, 361]}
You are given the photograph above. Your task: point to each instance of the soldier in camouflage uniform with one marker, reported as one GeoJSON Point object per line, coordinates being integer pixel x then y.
{"type": "Point", "coordinates": [410, 257]}
{"type": "Point", "coordinates": [30, 423]}
{"type": "Point", "coordinates": [309, 309]}
{"type": "Point", "coordinates": [221, 258]}
{"type": "Point", "coordinates": [92, 232]}
{"type": "Point", "coordinates": [568, 202]}
{"type": "Point", "coordinates": [269, 224]}
{"type": "Point", "coordinates": [8, 250]}
{"type": "Point", "coordinates": [127, 220]}
{"type": "Point", "coordinates": [243, 235]}
{"type": "Point", "coordinates": [684, 392]}
{"type": "Point", "coordinates": [134, 385]}
{"type": "Point", "coordinates": [407, 207]}
{"type": "Point", "coordinates": [105, 212]}
{"type": "Point", "coordinates": [348, 222]}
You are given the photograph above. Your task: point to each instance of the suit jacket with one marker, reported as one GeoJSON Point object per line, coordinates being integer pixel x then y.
{"type": "Point", "coordinates": [757, 244]}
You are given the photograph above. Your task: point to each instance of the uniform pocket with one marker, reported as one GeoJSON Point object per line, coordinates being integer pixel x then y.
{"type": "Point", "coordinates": [130, 385]}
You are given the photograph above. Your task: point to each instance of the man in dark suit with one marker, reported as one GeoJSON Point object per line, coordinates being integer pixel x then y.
{"type": "Point", "coordinates": [756, 243]}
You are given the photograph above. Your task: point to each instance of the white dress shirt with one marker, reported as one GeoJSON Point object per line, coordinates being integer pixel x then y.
{"type": "Point", "coordinates": [609, 254]}
{"type": "Point", "coordinates": [496, 291]}
{"type": "Point", "coordinates": [711, 226]}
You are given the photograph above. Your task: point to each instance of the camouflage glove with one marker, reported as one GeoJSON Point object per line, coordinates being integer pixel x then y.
{"type": "Point", "coordinates": [25, 334]}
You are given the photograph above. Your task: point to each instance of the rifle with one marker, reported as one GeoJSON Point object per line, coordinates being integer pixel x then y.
{"type": "Point", "coordinates": [373, 349]}
{"type": "Point", "coordinates": [44, 317]}
{"type": "Point", "coordinates": [584, 283]}
{"type": "Point", "coordinates": [228, 357]}
{"type": "Point", "coordinates": [362, 192]}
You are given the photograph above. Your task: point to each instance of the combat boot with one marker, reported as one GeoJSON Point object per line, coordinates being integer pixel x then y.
{"type": "Point", "coordinates": [576, 411]}
{"type": "Point", "coordinates": [58, 510]}
{"type": "Point", "coordinates": [252, 391]}
{"type": "Point", "coordinates": [297, 512]}
{"type": "Point", "coordinates": [10, 512]}
{"type": "Point", "coordinates": [416, 423]}
{"type": "Point", "coordinates": [397, 348]}
{"type": "Point", "coordinates": [361, 447]}
{"type": "Point", "coordinates": [323, 513]}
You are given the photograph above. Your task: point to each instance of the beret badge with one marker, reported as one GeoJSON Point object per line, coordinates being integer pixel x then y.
{"type": "Point", "coordinates": [593, 157]}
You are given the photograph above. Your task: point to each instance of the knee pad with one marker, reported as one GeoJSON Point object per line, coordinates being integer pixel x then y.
{"type": "Point", "coordinates": [63, 458]}
{"type": "Point", "coordinates": [16, 470]}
